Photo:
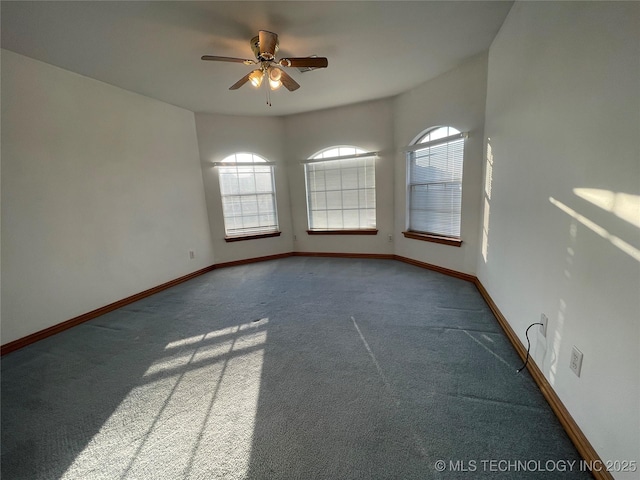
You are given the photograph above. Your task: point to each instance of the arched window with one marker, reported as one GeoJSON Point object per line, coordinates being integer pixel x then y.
{"type": "Point", "coordinates": [248, 195]}
{"type": "Point", "coordinates": [341, 190]}
{"type": "Point", "coordinates": [435, 182]}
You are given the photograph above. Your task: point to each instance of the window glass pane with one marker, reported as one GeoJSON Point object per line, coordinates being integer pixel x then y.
{"type": "Point", "coordinates": [248, 196]}
{"type": "Point", "coordinates": [233, 223]}
{"type": "Point", "coordinates": [247, 184]}
{"type": "Point", "coordinates": [435, 186]}
{"type": "Point", "coordinates": [333, 179]}
{"type": "Point", "coordinates": [437, 133]}
{"type": "Point", "coordinates": [367, 198]}
{"type": "Point", "coordinates": [334, 152]}
{"type": "Point", "coordinates": [244, 157]}
{"type": "Point", "coordinates": [369, 220]}
{"type": "Point", "coordinates": [316, 181]}
{"type": "Point", "coordinates": [334, 199]}
{"type": "Point", "coordinates": [263, 182]}
{"type": "Point", "coordinates": [350, 199]}
{"type": "Point", "coordinates": [334, 219]}
{"type": "Point", "coordinates": [249, 205]}
{"type": "Point", "coordinates": [338, 190]}
{"type": "Point", "coordinates": [350, 178]}
{"type": "Point", "coordinates": [319, 200]}
{"type": "Point", "coordinates": [257, 168]}
{"type": "Point", "coordinates": [369, 178]}
{"type": "Point", "coordinates": [351, 218]}
{"type": "Point", "coordinates": [231, 206]}
{"type": "Point", "coordinates": [250, 221]}
{"type": "Point", "coordinates": [320, 220]}
{"type": "Point", "coordinates": [228, 183]}
{"type": "Point", "coordinates": [265, 203]}
{"type": "Point", "coordinates": [316, 166]}
{"type": "Point", "coordinates": [344, 151]}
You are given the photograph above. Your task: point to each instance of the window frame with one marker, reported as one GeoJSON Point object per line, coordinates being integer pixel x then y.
{"type": "Point", "coordinates": [248, 167]}
{"type": "Point", "coordinates": [326, 156]}
{"type": "Point", "coordinates": [424, 142]}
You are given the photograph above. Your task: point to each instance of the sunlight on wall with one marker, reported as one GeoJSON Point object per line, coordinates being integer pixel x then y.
{"type": "Point", "coordinates": [591, 225]}
{"type": "Point", "coordinates": [557, 341]}
{"type": "Point", "coordinates": [488, 177]}
{"type": "Point", "coordinates": [488, 182]}
{"type": "Point", "coordinates": [485, 229]}
{"type": "Point", "coordinates": [624, 205]}
{"type": "Point", "coordinates": [196, 407]}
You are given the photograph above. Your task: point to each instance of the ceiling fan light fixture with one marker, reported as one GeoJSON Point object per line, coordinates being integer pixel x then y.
{"type": "Point", "coordinates": [265, 45]}
{"type": "Point", "coordinates": [255, 77]}
{"type": "Point", "coordinates": [275, 74]}
{"type": "Point", "coordinates": [275, 85]}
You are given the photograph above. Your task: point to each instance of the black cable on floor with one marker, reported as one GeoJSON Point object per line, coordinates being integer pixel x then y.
{"type": "Point", "coordinates": [526, 334]}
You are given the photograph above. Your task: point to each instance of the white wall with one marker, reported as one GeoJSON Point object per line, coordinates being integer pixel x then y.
{"type": "Point", "coordinates": [457, 99]}
{"type": "Point", "coordinates": [563, 217]}
{"type": "Point", "coordinates": [101, 195]}
{"type": "Point", "coordinates": [367, 125]}
{"type": "Point", "coordinates": [223, 135]}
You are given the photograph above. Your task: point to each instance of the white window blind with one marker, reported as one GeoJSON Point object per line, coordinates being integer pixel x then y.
{"type": "Point", "coordinates": [435, 182]}
{"type": "Point", "coordinates": [341, 192]}
{"type": "Point", "coordinates": [248, 195]}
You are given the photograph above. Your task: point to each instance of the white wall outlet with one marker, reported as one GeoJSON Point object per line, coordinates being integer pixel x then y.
{"type": "Point", "coordinates": [543, 328]}
{"type": "Point", "coordinates": [295, 237]}
{"type": "Point", "coordinates": [192, 254]}
{"type": "Point", "coordinates": [576, 361]}
{"type": "Point", "coordinates": [390, 238]}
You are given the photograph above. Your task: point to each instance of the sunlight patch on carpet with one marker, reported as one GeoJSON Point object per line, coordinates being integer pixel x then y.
{"type": "Point", "coordinates": [197, 407]}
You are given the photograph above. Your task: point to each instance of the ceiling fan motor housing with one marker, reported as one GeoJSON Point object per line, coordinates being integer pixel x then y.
{"type": "Point", "coordinates": [255, 48]}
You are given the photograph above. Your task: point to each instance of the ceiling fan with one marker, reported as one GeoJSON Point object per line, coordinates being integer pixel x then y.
{"type": "Point", "coordinates": [264, 47]}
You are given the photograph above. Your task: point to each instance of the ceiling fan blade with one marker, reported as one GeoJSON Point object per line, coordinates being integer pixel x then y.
{"type": "Point", "coordinates": [240, 82]}
{"type": "Point", "coordinates": [268, 42]}
{"type": "Point", "coordinates": [228, 59]}
{"type": "Point", "coordinates": [288, 82]}
{"type": "Point", "coordinates": [301, 62]}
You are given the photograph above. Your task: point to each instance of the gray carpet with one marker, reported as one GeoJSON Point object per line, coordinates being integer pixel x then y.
{"type": "Point", "coordinates": [300, 368]}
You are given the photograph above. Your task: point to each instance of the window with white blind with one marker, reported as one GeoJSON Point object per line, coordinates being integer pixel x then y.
{"type": "Point", "coordinates": [248, 195]}
{"type": "Point", "coordinates": [435, 182]}
{"type": "Point", "coordinates": [341, 190]}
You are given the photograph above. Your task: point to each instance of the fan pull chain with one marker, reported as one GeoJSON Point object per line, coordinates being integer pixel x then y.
{"type": "Point", "coordinates": [268, 94]}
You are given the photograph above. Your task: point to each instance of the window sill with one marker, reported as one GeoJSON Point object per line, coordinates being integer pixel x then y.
{"type": "Point", "coordinates": [251, 237]}
{"type": "Point", "coordinates": [368, 231]}
{"type": "Point", "coordinates": [429, 237]}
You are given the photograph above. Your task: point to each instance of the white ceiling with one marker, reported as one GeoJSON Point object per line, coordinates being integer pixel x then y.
{"type": "Point", "coordinates": [375, 49]}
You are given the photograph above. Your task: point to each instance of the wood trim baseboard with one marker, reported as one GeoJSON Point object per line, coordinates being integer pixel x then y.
{"type": "Point", "coordinates": [246, 261]}
{"type": "Point", "coordinates": [60, 327]}
{"type": "Point", "coordinates": [436, 268]}
{"type": "Point", "coordinates": [379, 256]}
{"type": "Point", "coordinates": [570, 426]}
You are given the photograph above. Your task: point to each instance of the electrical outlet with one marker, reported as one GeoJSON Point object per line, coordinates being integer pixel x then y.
{"type": "Point", "coordinates": [192, 254]}
{"type": "Point", "coordinates": [576, 361]}
{"type": "Point", "coordinates": [295, 237]}
{"type": "Point", "coordinates": [390, 238]}
{"type": "Point", "coordinates": [543, 328]}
